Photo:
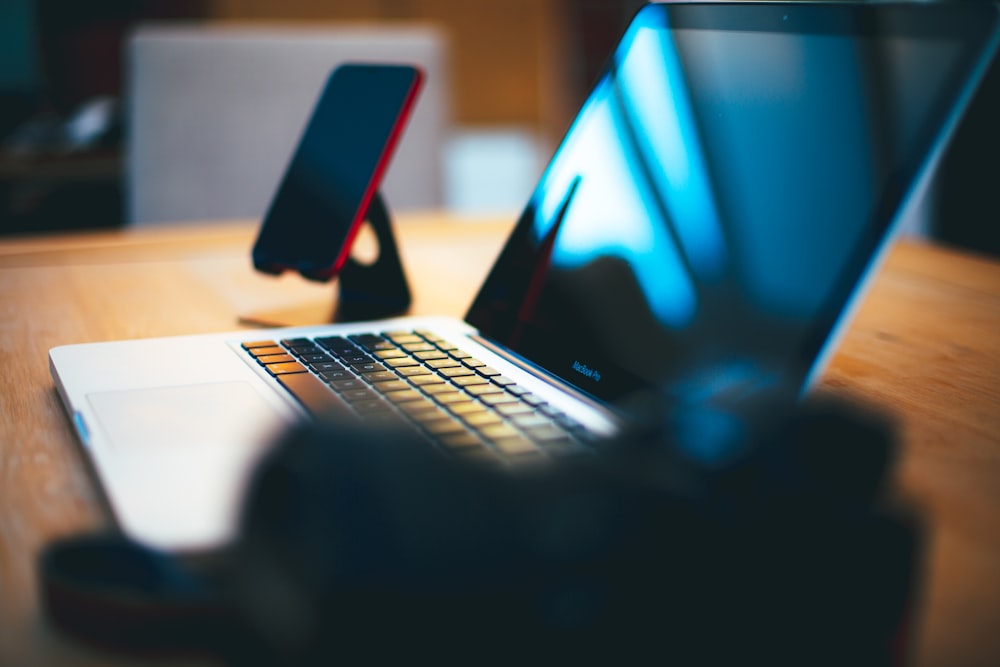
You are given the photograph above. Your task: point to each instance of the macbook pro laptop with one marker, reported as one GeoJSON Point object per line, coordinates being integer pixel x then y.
{"type": "Point", "coordinates": [703, 229]}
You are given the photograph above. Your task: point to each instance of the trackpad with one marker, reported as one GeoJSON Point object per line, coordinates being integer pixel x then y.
{"type": "Point", "coordinates": [192, 416]}
{"type": "Point", "coordinates": [180, 457]}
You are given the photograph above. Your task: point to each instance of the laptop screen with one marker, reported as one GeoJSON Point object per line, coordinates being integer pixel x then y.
{"type": "Point", "coordinates": [722, 191]}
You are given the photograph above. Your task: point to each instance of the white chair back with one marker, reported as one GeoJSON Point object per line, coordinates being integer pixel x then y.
{"type": "Point", "coordinates": [213, 113]}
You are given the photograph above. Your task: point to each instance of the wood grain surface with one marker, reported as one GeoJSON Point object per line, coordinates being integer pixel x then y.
{"type": "Point", "coordinates": [923, 348]}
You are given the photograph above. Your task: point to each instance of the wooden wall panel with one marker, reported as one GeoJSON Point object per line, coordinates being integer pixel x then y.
{"type": "Point", "coordinates": [293, 9]}
{"type": "Point", "coordinates": [506, 56]}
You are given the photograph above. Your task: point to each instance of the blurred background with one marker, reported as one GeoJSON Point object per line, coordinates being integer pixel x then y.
{"type": "Point", "coordinates": [86, 88]}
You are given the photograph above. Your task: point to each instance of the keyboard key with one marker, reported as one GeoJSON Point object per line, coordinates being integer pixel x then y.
{"type": "Point", "coordinates": [368, 367]}
{"type": "Point", "coordinates": [314, 358]}
{"type": "Point", "coordinates": [426, 379]}
{"type": "Point", "coordinates": [467, 407]}
{"type": "Point", "coordinates": [394, 353]}
{"type": "Point", "coordinates": [371, 342]}
{"type": "Point", "coordinates": [466, 380]}
{"type": "Point", "coordinates": [355, 395]}
{"type": "Point", "coordinates": [472, 362]}
{"type": "Point", "coordinates": [424, 415]}
{"type": "Point", "coordinates": [335, 343]}
{"type": "Point", "coordinates": [443, 426]}
{"type": "Point", "coordinates": [427, 334]}
{"type": "Point", "coordinates": [479, 419]}
{"type": "Point", "coordinates": [367, 340]}
{"type": "Point", "coordinates": [404, 338]}
{"type": "Point", "coordinates": [410, 371]}
{"type": "Point", "coordinates": [531, 399]}
{"type": "Point", "coordinates": [405, 396]}
{"type": "Point", "coordinates": [501, 380]}
{"type": "Point", "coordinates": [529, 419]}
{"type": "Point", "coordinates": [249, 345]}
{"type": "Point", "coordinates": [419, 347]}
{"type": "Point", "coordinates": [355, 358]}
{"type": "Point", "coordinates": [433, 389]}
{"type": "Point", "coordinates": [421, 407]}
{"type": "Point", "coordinates": [455, 371]}
{"type": "Point", "coordinates": [443, 363]}
{"type": "Point", "coordinates": [400, 362]}
{"type": "Point", "coordinates": [287, 367]}
{"type": "Point", "coordinates": [392, 386]}
{"type": "Point", "coordinates": [325, 366]}
{"type": "Point", "coordinates": [293, 342]}
{"type": "Point", "coordinates": [515, 446]}
{"type": "Point", "coordinates": [381, 376]}
{"type": "Point", "coordinates": [344, 385]}
{"type": "Point", "coordinates": [449, 397]}
{"type": "Point", "coordinates": [275, 359]}
{"type": "Point", "coordinates": [497, 431]}
{"type": "Point", "coordinates": [312, 352]}
{"type": "Point", "coordinates": [396, 332]}
{"type": "Point", "coordinates": [497, 399]}
{"type": "Point", "coordinates": [334, 376]}
{"type": "Point", "coordinates": [258, 352]}
{"type": "Point", "coordinates": [488, 371]}
{"type": "Point", "coordinates": [484, 389]}
{"type": "Point", "coordinates": [361, 338]}
{"type": "Point", "coordinates": [371, 407]}
{"type": "Point", "coordinates": [546, 432]}
{"type": "Point", "coordinates": [511, 409]}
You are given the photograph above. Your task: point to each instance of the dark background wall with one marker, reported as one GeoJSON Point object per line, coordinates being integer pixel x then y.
{"type": "Point", "coordinates": [518, 62]}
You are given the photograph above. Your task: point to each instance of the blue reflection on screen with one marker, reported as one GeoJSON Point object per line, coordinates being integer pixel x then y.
{"type": "Point", "coordinates": [719, 196]}
{"type": "Point", "coordinates": [608, 192]}
{"type": "Point", "coordinates": [652, 98]}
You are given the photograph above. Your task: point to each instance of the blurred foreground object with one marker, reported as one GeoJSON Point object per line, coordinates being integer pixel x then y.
{"type": "Point", "coordinates": [363, 545]}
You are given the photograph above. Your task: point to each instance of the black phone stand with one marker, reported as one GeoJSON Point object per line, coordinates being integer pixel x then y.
{"type": "Point", "coordinates": [379, 289]}
{"type": "Point", "coordinates": [367, 291]}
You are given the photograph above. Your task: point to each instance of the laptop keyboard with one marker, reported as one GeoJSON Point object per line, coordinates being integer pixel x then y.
{"type": "Point", "coordinates": [419, 379]}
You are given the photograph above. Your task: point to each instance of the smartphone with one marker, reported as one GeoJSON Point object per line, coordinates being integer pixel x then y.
{"type": "Point", "coordinates": [336, 169]}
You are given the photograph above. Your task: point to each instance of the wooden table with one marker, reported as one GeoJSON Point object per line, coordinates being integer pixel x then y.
{"type": "Point", "coordinates": [924, 347]}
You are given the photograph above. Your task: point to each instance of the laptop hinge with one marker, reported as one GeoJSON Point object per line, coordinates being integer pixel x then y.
{"type": "Point", "coordinates": [549, 378]}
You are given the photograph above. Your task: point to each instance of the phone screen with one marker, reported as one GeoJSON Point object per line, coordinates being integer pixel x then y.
{"type": "Point", "coordinates": [336, 169]}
